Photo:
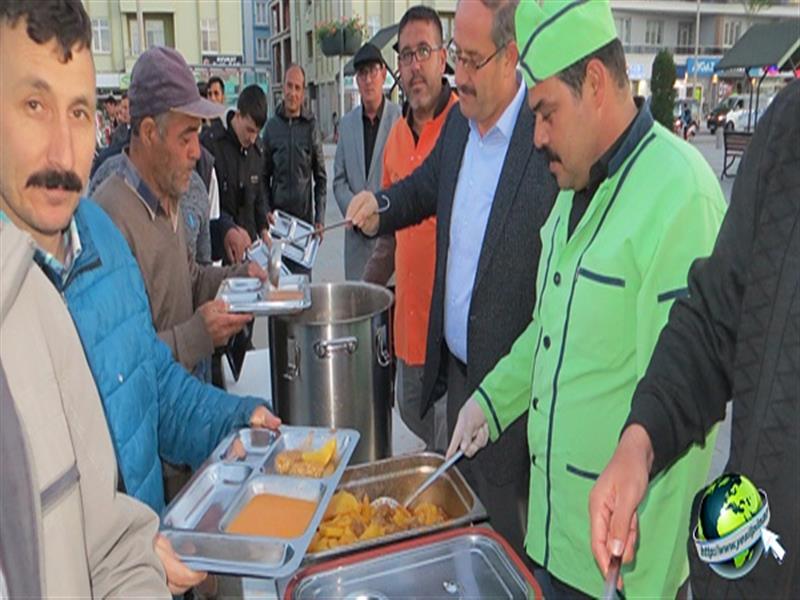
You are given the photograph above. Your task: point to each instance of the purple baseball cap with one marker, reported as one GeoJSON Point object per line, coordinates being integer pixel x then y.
{"type": "Point", "coordinates": [162, 81]}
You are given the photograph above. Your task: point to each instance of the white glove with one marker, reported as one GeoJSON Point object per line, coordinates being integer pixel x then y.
{"type": "Point", "coordinates": [471, 432]}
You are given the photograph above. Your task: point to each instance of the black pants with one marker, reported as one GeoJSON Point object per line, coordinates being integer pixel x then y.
{"type": "Point", "coordinates": [506, 505]}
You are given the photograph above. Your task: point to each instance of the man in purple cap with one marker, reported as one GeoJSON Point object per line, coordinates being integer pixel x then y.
{"type": "Point", "coordinates": [142, 199]}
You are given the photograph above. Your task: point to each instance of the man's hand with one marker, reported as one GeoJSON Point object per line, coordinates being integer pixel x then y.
{"type": "Point", "coordinates": [237, 241]}
{"type": "Point", "coordinates": [471, 432]}
{"type": "Point", "coordinates": [266, 237]}
{"type": "Point", "coordinates": [255, 270]}
{"type": "Point", "coordinates": [264, 419]}
{"type": "Point", "coordinates": [180, 578]}
{"type": "Point", "coordinates": [617, 494]}
{"type": "Point", "coordinates": [318, 227]}
{"type": "Point", "coordinates": [220, 324]}
{"type": "Point", "coordinates": [363, 212]}
{"type": "Point", "coordinates": [271, 217]}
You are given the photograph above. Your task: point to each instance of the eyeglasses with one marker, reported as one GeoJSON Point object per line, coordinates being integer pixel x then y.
{"type": "Point", "coordinates": [370, 70]}
{"type": "Point", "coordinates": [471, 65]}
{"type": "Point", "coordinates": [422, 54]}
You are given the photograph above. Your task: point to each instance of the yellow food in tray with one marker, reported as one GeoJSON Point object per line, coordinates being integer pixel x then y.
{"type": "Point", "coordinates": [348, 521]}
{"type": "Point", "coordinates": [316, 463]}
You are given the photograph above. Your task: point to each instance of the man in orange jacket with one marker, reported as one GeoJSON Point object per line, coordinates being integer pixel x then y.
{"type": "Point", "coordinates": [422, 60]}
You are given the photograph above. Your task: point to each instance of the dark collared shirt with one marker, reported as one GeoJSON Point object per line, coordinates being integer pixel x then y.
{"type": "Point", "coordinates": [597, 174]}
{"type": "Point", "coordinates": [371, 127]}
{"type": "Point", "coordinates": [441, 104]}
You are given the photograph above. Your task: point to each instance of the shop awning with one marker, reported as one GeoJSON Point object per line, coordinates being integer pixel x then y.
{"type": "Point", "coordinates": [765, 45]}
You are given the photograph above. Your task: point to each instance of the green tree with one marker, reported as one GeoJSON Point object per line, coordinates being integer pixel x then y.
{"type": "Point", "coordinates": [662, 84]}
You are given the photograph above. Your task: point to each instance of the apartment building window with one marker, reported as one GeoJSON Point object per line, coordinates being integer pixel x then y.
{"type": "Point", "coordinates": [158, 31]}
{"type": "Point", "coordinates": [101, 36]}
{"type": "Point", "coordinates": [310, 45]}
{"type": "Point", "coordinates": [286, 14]}
{"type": "Point", "coordinates": [654, 33]}
{"type": "Point", "coordinates": [261, 13]}
{"type": "Point", "coordinates": [277, 63]}
{"type": "Point", "coordinates": [209, 38]}
{"type": "Point", "coordinates": [731, 33]}
{"type": "Point", "coordinates": [262, 49]}
{"type": "Point", "coordinates": [623, 29]}
{"type": "Point", "coordinates": [276, 18]}
{"type": "Point", "coordinates": [686, 35]}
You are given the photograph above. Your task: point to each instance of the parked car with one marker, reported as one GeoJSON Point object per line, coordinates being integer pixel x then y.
{"type": "Point", "coordinates": [737, 120]}
{"type": "Point", "coordinates": [716, 118]}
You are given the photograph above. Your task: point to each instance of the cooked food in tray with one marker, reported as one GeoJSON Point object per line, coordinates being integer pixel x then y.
{"type": "Point", "coordinates": [348, 521]}
{"type": "Point", "coordinates": [271, 515]}
{"type": "Point", "coordinates": [308, 463]}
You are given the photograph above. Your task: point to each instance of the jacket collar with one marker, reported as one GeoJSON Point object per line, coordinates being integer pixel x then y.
{"type": "Point", "coordinates": [641, 124]}
{"type": "Point", "coordinates": [304, 114]}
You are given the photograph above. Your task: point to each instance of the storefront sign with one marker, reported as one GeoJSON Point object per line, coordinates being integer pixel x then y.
{"type": "Point", "coordinates": [222, 60]}
{"type": "Point", "coordinates": [703, 66]}
{"type": "Point", "coordinates": [636, 71]}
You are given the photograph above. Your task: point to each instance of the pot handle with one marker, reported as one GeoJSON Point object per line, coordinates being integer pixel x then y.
{"type": "Point", "coordinates": [326, 348]}
{"type": "Point", "coordinates": [382, 353]}
{"type": "Point", "coordinates": [292, 360]}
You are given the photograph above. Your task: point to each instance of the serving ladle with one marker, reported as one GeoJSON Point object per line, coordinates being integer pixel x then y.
{"type": "Point", "coordinates": [392, 503]}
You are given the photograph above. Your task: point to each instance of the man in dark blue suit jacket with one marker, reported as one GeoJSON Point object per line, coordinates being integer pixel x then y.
{"type": "Point", "coordinates": [490, 190]}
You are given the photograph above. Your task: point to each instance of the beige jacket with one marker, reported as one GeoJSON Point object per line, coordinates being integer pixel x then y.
{"type": "Point", "coordinates": [93, 541]}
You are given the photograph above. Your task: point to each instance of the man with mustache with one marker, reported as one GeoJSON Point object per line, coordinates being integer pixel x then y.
{"type": "Point", "coordinates": [422, 58]}
{"type": "Point", "coordinates": [142, 199]}
{"type": "Point", "coordinates": [153, 407]}
{"type": "Point", "coordinates": [490, 192]}
{"type": "Point", "coordinates": [358, 164]}
{"type": "Point", "coordinates": [637, 206]}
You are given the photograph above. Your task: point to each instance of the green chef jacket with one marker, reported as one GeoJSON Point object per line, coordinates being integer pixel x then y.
{"type": "Point", "coordinates": [603, 296]}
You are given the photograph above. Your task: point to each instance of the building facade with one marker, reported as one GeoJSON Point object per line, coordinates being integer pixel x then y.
{"type": "Point", "coordinates": [256, 34]}
{"type": "Point", "coordinates": [647, 26]}
{"type": "Point", "coordinates": [207, 32]}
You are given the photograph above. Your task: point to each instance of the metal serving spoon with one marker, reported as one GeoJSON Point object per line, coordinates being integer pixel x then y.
{"type": "Point", "coordinates": [391, 502]}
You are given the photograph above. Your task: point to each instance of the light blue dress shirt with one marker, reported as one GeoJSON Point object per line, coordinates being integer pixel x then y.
{"type": "Point", "coordinates": [483, 161]}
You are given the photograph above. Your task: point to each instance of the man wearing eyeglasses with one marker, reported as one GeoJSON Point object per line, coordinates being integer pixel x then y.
{"type": "Point", "coordinates": [490, 191]}
{"type": "Point", "coordinates": [358, 164]}
{"type": "Point", "coordinates": [412, 257]}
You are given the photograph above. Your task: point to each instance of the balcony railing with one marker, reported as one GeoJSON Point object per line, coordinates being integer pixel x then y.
{"type": "Point", "coordinates": [682, 50]}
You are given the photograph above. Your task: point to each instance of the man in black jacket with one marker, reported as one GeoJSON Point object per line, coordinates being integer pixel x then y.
{"type": "Point", "coordinates": [294, 156]}
{"type": "Point", "coordinates": [736, 336]}
{"type": "Point", "coordinates": [238, 159]}
{"type": "Point", "coordinates": [490, 190]}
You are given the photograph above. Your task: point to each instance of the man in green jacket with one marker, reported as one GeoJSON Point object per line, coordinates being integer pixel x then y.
{"type": "Point", "coordinates": [637, 206]}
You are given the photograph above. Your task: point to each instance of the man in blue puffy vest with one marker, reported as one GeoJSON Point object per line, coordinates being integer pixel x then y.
{"type": "Point", "coordinates": [154, 407]}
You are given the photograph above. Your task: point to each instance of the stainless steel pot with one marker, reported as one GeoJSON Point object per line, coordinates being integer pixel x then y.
{"type": "Point", "coordinates": [331, 364]}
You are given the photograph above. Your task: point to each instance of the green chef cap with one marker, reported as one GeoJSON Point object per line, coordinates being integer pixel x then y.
{"type": "Point", "coordinates": [555, 34]}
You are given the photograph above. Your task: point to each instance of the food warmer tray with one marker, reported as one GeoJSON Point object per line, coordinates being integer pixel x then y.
{"type": "Point", "coordinates": [397, 477]}
{"type": "Point", "coordinates": [196, 520]}
{"type": "Point", "coordinates": [470, 562]}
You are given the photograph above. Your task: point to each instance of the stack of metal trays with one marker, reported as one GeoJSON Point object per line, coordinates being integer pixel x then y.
{"type": "Point", "coordinates": [399, 476]}
{"type": "Point", "coordinates": [251, 295]}
{"type": "Point", "coordinates": [198, 519]}
{"type": "Point", "coordinates": [288, 228]}
{"type": "Point", "coordinates": [471, 562]}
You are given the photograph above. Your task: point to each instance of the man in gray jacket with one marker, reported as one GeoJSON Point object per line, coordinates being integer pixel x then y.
{"type": "Point", "coordinates": [359, 154]}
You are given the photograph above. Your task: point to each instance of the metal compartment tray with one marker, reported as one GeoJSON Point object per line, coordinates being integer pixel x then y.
{"type": "Point", "coordinates": [251, 295]}
{"type": "Point", "coordinates": [196, 520]}
{"type": "Point", "coordinates": [259, 253]}
{"type": "Point", "coordinates": [397, 477]}
{"type": "Point", "coordinates": [470, 562]}
{"type": "Point", "coordinates": [289, 228]}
